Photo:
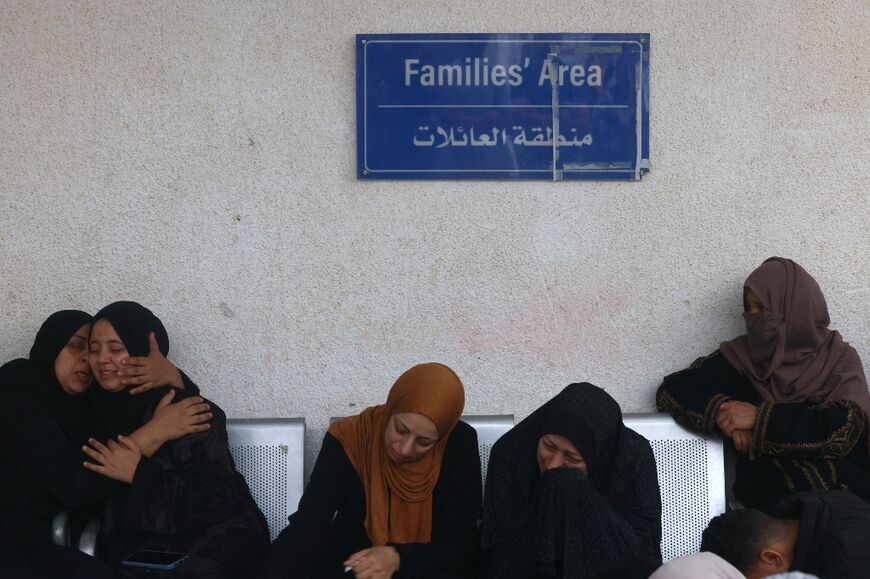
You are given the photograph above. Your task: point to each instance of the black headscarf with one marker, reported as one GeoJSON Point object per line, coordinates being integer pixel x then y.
{"type": "Point", "coordinates": [52, 337]}
{"type": "Point", "coordinates": [121, 412]}
{"type": "Point", "coordinates": [561, 519]}
{"type": "Point", "coordinates": [584, 414]}
{"type": "Point", "coordinates": [133, 322]}
{"type": "Point", "coordinates": [36, 376]}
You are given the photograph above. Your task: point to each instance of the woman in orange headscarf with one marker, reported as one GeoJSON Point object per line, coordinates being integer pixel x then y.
{"type": "Point", "coordinates": [395, 489]}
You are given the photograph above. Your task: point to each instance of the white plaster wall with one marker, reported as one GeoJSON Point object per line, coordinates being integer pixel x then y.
{"type": "Point", "coordinates": [199, 157]}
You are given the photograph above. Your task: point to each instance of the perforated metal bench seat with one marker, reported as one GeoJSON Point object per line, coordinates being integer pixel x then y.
{"type": "Point", "coordinates": [489, 429]}
{"type": "Point", "coordinates": [691, 474]}
{"type": "Point", "coordinates": [270, 454]}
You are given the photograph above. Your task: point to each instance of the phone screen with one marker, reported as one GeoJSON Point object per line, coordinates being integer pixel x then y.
{"type": "Point", "coordinates": [157, 559]}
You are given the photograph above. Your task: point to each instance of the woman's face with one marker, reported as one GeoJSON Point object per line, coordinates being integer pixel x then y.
{"type": "Point", "coordinates": [107, 351]}
{"type": "Point", "coordinates": [409, 436]}
{"type": "Point", "coordinates": [556, 451]}
{"type": "Point", "coordinates": [751, 303]}
{"type": "Point", "coordinates": [71, 365]}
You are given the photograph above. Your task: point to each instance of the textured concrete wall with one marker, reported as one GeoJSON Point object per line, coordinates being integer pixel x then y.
{"type": "Point", "coordinates": [200, 157]}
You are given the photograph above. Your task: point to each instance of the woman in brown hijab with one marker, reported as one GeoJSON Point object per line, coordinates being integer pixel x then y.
{"type": "Point", "coordinates": [395, 491]}
{"type": "Point", "coordinates": [790, 394]}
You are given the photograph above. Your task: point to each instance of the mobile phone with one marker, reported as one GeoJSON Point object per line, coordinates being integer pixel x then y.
{"type": "Point", "coordinates": [154, 559]}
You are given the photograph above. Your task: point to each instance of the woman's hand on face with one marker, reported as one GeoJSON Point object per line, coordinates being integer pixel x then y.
{"type": "Point", "coordinates": [116, 460]}
{"type": "Point", "coordinates": [734, 415]}
{"type": "Point", "coordinates": [172, 421]}
{"type": "Point", "coordinates": [151, 371]}
{"type": "Point", "coordinates": [743, 442]}
{"type": "Point", "coordinates": [374, 563]}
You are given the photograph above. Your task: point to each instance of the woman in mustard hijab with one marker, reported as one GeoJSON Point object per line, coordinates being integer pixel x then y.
{"type": "Point", "coordinates": [395, 491]}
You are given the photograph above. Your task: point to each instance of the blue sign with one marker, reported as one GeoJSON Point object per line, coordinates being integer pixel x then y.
{"type": "Point", "coordinates": [502, 106]}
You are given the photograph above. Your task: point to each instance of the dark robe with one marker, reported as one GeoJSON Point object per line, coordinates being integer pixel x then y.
{"type": "Point", "coordinates": [42, 429]}
{"type": "Point", "coordinates": [563, 523]}
{"type": "Point", "coordinates": [833, 535]}
{"type": "Point", "coordinates": [41, 470]}
{"type": "Point", "coordinates": [797, 446]}
{"type": "Point", "coordinates": [329, 525]}
{"type": "Point", "coordinates": [187, 497]}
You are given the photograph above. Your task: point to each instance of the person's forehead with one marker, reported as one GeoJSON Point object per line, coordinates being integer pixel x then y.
{"type": "Point", "coordinates": [561, 442]}
{"type": "Point", "coordinates": [104, 329]}
{"type": "Point", "coordinates": [417, 423]}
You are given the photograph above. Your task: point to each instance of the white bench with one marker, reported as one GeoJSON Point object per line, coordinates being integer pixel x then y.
{"type": "Point", "coordinates": [691, 474]}
{"type": "Point", "coordinates": [270, 454]}
{"type": "Point", "coordinates": [489, 429]}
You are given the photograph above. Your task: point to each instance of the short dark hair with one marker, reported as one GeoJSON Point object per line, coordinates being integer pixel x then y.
{"type": "Point", "coordinates": [739, 536]}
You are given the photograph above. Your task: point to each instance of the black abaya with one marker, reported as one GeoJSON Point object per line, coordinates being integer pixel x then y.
{"type": "Point", "coordinates": [563, 523]}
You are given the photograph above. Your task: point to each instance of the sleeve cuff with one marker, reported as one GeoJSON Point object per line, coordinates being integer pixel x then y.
{"type": "Point", "coordinates": [759, 431]}
{"type": "Point", "coordinates": [709, 425]}
{"type": "Point", "coordinates": [402, 551]}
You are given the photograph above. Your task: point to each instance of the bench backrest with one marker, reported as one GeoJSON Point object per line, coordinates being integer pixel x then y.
{"type": "Point", "coordinates": [270, 454]}
{"type": "Point", "coordinates": [691, 474]}
{"type": "Point", "coordinates": [489, 429]}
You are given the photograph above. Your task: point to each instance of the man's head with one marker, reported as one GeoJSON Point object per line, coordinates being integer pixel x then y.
{"type": "Point", "coordinates": [757, 544]}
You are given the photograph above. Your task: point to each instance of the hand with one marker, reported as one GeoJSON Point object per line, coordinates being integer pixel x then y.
{"type": "Point", "coordinates": [734, 415]}
{"type": "Point", "coordinates": [743, 442]}
{"type": "Point", "coordinates": [150, 371]}
{"type": "Point", "coordinates": [116, 460]}
{"type": "Point", "coordinates": [172, 421]}
{"type": "Point", "coordinates": [374, 563]}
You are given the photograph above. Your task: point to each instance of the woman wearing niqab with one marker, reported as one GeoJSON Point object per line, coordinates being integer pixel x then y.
{"type": "Point", "coordinates": [790, 395]}
{"type": "Point", "coordinates": [395, 491]}
{"type": "Point", "coordinates": [592, 510]}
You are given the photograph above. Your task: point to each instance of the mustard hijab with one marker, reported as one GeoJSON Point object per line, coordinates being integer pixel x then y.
{"type": "Point", "coordinates": [399, 495]}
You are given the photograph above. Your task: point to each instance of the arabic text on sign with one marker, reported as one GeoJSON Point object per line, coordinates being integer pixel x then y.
{"type": "Point", "coordinates": [457, 137]}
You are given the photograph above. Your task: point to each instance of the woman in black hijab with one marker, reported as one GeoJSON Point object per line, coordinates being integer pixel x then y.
{"type": "Point", "coordinates": [187, 497]}
{"type": "Point", "coordinates": [43, 420]}
{"type": "Point", "coordinates": [45, 417]}
{"type": "Point", "coordinates": [571, 492]}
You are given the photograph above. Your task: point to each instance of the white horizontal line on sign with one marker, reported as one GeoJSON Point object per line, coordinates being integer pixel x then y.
{"type": "Point", "coordinates": [501, 106]}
